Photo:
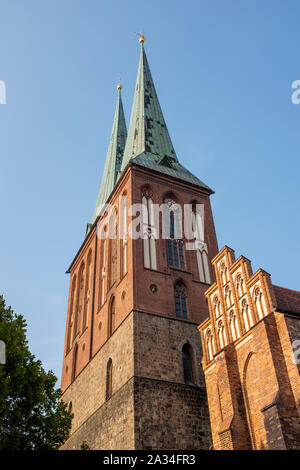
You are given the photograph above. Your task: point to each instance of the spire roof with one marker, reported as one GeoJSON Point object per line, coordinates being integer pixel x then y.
{"type": "Point", "coordinates": [147, 129]}
{"type": "Point", "coordinates": [148, 143]}
{"type": "Point", "coordinates": [114, 155]}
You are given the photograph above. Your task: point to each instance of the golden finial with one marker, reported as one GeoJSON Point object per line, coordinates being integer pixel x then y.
{"type": "Point", "coordinates": [142, 37]}
{"type": "Point", "coordinates": [119, 86]}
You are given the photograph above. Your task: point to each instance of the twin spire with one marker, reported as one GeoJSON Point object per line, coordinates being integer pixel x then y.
{"type": "Point", "coordinates": [114, 155]}
{"type": "Point", "coordinates": [148, 142]}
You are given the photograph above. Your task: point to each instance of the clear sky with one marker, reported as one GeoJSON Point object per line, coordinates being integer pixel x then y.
{"type": "Point", "coordinates": [223, 72]}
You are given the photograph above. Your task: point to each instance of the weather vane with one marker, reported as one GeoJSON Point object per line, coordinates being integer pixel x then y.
{"type": "Point", "coordinates": [142, 37]}
{"type": "Point", "coordinates": [119, 86]}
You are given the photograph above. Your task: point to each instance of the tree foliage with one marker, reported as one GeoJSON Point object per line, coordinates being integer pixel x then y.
{"type": "Point", "coordinates": [32, 416]}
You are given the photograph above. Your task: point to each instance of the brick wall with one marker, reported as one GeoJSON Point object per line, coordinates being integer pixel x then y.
{"type": "Point", "coordinates": [170, 416]}
{"type": "Point", "coordinates": [88, 391]}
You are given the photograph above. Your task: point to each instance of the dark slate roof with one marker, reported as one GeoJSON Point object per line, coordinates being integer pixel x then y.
{"type": "Point", "coordinates": [288, 301]}
{"type": "Point", "coordinates": [170, 168]}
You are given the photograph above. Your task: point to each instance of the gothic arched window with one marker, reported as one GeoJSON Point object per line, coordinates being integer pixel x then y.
{"type": "Point", "coordinates": [102, 273]}
{"type": "Point", "coordinates": [72, 315]}
{"type": "Point", "coordinates": [203, 269]}
{"type": "Point", "coordinates": [246, 314]}
{"type": "Point", "coordinates": [228, 297]}
{"type": "Point", "coordinates": [200, 245]}
{"type": "Point", "coordinates": [259, 303]}
{"type": "Point", "coordinates": [113, 251]}
{"type": "Point", "coordinates": [80, 300]}
{"type": "Point", "coordinates": [124, 235]}
{"type": "Point", "coordinates": [74, 365]}
{"type": "Point", "coordinates": [149, 242]}
{"type": "Point", "coordinates": [88, 291]}
{"type": "Point", "coordinates": [239, 285]}
{"type": "Point", "coordinates": [188, 364]}
{"type": "Point", "coordinates": [209, 345]}
{"type": "Point", "coordinates": [217, 306]}
{"type": "Point", "coordinates": [109, 372]}
{"type": "Point", "coordinates": [174, 232]}
{"type": "Point", "coordinates": [224, 273]}
{"type": "Point", "coordinates": [234, 328]}
{"type": "Point", "coordinates": [112, 317]}
{"type": "Point", "coordinates": [221, 334]}
{"type": "Point", "coordinates": [180, 300]}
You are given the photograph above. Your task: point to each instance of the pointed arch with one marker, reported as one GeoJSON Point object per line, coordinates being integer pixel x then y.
{"type": "Point", "coordinates": [234, 327]}
{"type": "Point", "coordinates": [222, 334]}
{"type": "Point", "coordinates": [111, 316]}
{"type": "Point", "coordinates": [109, 378]}
{"type": "Point", "coordinates": [203, 267]}
{"type": "Point", "coordinates": [188, 362]}
{"type": "Point", "coordinates": [247, 399]}
{"type": "Point", "coordinates": [102, 280]}
{"type": "Point", "coordinates": [210, 350]}
{"type": "Point", "coordinates": [258, 302]}
{"type": "Point", "coordinates": [74, 363]}
{"type": "Point", "coordinates": [217, 306]}
{"type": "Point", "coordinates": [149, 235]}
{"type": "Point", "coordinates": [173, 225]}
{"type": "Point", "coordinates": [80, 299]}
{"type": "Point", "coordinates": [72, 315]}
{"type": "Point", "coordinates": [88, 290]}
{"type": "Point", "coordinates": [247, 315]}
{"type": "Point", "coordinates": [180, 295]}
{"type": "Point", "coordinates": [112, 250]}
{"type": "Point", "coordinates": [239, 283]}
{"type": "Point", "coordinates": [123, 235]}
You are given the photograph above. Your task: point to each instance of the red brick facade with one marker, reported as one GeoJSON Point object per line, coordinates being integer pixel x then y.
{"type": "Point", "coordinates": [252, 379]}
{"type": "Point", "coordinates": [150, 393]}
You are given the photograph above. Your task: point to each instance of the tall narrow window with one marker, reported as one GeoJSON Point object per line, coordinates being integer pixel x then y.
{"type": "Point", "coordinates": [149, 242]}
{"type": "Point", "coordinates": [259, 303]}
{"type": "Point", "coordinates": [239, 285]}
{"type": "Point", "coordinates": [74, 365]}
{"type": "Point", "coordinates": [88, 291]}
{"type": "Point", "coordinates": [174, 242]}
{"type": "Point", "coordinates": [200, 245]}
{"type": "Point", "coordinates": [102, 273]}
{"type": "Point", "coordinates": [210, 345]}
{"type": "Point", "coordinates": [188, 366]}
{"type": "Point", "coordinates": [228, 297]}
{"type": "Point", "coordinates": [221, 334]}
{"type": "Point", "coordinates": [217, 306]}
{"type": "Point", "coordinates": [124, 235]}
{"type": "Point", "coordinates": [233, 325]}
{"type": "Point", "coordinates": [246, 314]}
{"type": "Point", "coordinates": [113, 253]}
{"type": "Point", "coordinates": [72, 315]}
{"type": "Point", "coordinates": [112, 317]}
{"type": "Point", "coordinates": [180, 300]}
{"type": "Point", "coordinates": [109, 372]}
{"type": "Point", "coordinates": [203, 268]}
{"type": "Point", "coordinates": [80, 300]}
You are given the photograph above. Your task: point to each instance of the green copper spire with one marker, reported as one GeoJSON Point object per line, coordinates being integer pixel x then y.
{"type": "Point", "coordinates": [148, 143]}
{"type": "Point", "coordinates": [114, 155]}
{"type": "Point", "coordinates": [147, 130]}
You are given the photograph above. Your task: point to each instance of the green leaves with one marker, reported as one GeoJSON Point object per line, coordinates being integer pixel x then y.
{"type": "Point", "coordinates": [32, 416]}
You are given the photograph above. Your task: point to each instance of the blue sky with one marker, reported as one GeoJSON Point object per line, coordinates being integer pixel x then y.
{"type": "Point", "coordinates": [223, 72]}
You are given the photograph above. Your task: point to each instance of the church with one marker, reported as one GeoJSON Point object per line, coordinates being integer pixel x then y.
{"type": "Point", "coordinates": [168, 347]}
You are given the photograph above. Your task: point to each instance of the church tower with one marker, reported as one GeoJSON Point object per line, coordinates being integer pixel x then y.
{"type": "Point", "coordinates": [132, 371]}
